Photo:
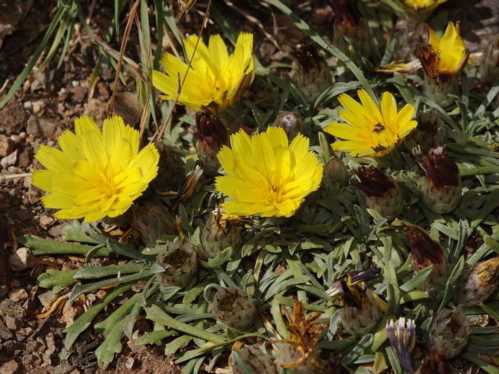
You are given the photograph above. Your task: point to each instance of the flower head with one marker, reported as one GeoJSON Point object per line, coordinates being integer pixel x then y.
{"type": "Point", "coordinates": [444, 56]}
{"type": "Point", "coordinates": [423, 4]}
{"type": "Point", "coordinates": [210, 76]}
{"type": "Point", "coordinates": [381, 191]}
{"type": "Point", "coordinates": [371, 129]}
{"type": "Point", "coordinates": [442, 187]}
{"type": "Point", "coordinates": [425, 250]}
{"type": "Point", "coordinates": [95, 173]}
{"type": "Point", "coordinates": [265, 175]}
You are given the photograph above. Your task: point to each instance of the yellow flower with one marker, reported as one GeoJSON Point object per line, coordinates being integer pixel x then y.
{"type": "Point", "coordinates": [95, 173]}
{"type": "Point", "coordinates": [265, 175]}
{"type": "Point", "coordinates": [214, 77]}
{"type": "Point", "coordinates": [371, 129]}
{"type": "Point", "coordinates": [423, 4]}
{"type": "Point", "coordinates": [444, 56]}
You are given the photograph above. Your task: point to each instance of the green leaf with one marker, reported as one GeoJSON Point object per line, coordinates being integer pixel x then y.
{"type": "Point", "coordinates": [84, 321]}
{"type": "Point", "coordinates": [56, 279]}
{"type": "Point", "coordinates": [95, 272]}
{"type": "Point", "coordinates": [419, 278]}
{"type": "Point", "coordinates": [84, 288]}
{"type": "Point", "coordinates": [106, 325]}
{"type": "Point", "coordinates": [41, 246]}
{"type": "Point", "coordinates": [176, 344]}
{"type": "Point", "coordinates": [154, 313]}
{"type": "Point", "coordinates": [112, 343]}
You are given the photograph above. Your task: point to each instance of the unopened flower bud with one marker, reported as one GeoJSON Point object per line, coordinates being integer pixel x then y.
{"type": "Point", "coordinates": [255, 357]}
{"type": "Point", "coordinates": [291, 122]}
{"type": "Point", "coordinates": [211, 135]}
{"type": "Point", "coordinates": [402, 336]}
{"type": "Point", "coordinates": [381, 191]}
{"type": "Point", "coordinates": [336, 172]}
{"type": "Point", "coordinates": [233, 308]}
{"type": "Point", "coordinates": [425, 251]}
{"type": "Point", "coordinates": [180, 263]}
{"type": "Point", "coordinates": [219, 233]}
{"type": "Point", "coordinates": [449, 333]}
{"type": "Point", "coordinates": [481, 283]}
{"type": "Point", "coordinates": [442, 187]}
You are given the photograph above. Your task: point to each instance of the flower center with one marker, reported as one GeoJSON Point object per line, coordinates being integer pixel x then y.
{"type": "Point", "coordinates": [378, 128]}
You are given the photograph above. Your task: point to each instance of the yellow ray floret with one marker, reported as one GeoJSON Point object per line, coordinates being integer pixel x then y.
{"type": "Point", "coordinates": [423, 4]}
{"type": "Point", "coordinates": [265, 175]}
{"type": "Point", "coordinates": [449, 49]}
{"type": "Point", "coordinates": [95, 173]}
{"type": "Point", "coordinates": [215, 78]}
{"type": "Point", "coordinates": [371, 129]}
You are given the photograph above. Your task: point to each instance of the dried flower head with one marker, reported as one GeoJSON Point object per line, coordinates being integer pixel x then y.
{"type": "Point", "coordinates": [362, 308]}
{"type": "Point", "coordinates": [233, 308]}
{"type": "Point", "coordinates": [443, 56]}
{"type": "Point", "coordinates": [449, 333]}
{"type": "Point", "coordinates": [265, 175]}
{"type": "Point", "coordinates": [210, 76]}
{"type": "Point", "coordinates": [300, 350]}
{"type": "Point", "coordinates": [402, 336]}
{"type": "Point", "coordinates": [382, 192]}
{"type": "Point", "coordinates": [180, 263]}
{"type": "Point", "coordinates": [211, 135]}
{"type": "Point", "coordinates": [481, 282]}
{"type": "Point", "coordinates": [442, 187]}
{"type": "Point", "coordinates": [440, 169]}
{"type": "Point", "coordinates": [425, 250]}
{"type": "Point", "coordinates": [371, 129]}
{"type": "Point", "coordinates": [219, 233]}
{"type": "Point", "coordinates": [95, 173]}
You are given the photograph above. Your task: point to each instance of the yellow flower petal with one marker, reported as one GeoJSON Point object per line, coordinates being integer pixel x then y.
{"type": "Point", "coordinates": [265, 175]}
{"type": "Point", "coordinates": [371, 130]}
{"type": "Point", "coordinates": [215, 78]}
{"type": "Point", "coordinates": [96, 173]}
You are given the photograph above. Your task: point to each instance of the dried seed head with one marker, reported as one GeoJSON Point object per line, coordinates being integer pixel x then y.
{"type": "Point", "coordinates": [211, 135]}
{"type": "Point", "coordinates": [382, 192]}
{"type": "Point", "coordinates": [362, 307]}
{"type": "Point", "coordinates": [219, 233]}
{"type": "Point", "coordinates": [180, 263]}
{"type": "Point", "coordinates": [291, 122]}
{"type": "Point", "coordinates": [440, 169]}
{"type": "Point", "coordinates": [300, 351]}
{"type": "Point", "coordinates": [233, 308]}
{"type": "Point", "coordinates": [449, 333]}
{"type": "Point", "coordinates": [481, 283]}
{"type": "Point", "coordinates": [402, 336]}
{"type": "Point", "coordinates": [252, 357]}
{"type": "Point", "coordinates": [442, 187]}
{"type": "Point", "coordinates": [425, 250]}
{"type": "Point", "coordinates": [153, 220]}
